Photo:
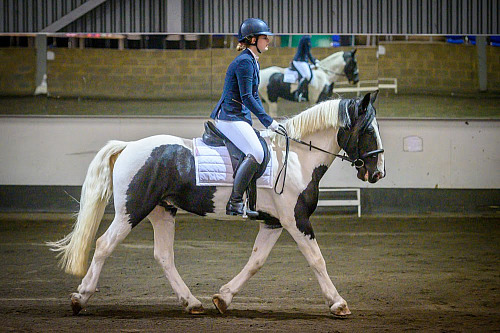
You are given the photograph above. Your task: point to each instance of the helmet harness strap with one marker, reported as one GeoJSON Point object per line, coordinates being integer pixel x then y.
{"type": "Point", "coordinates": [255, 44]}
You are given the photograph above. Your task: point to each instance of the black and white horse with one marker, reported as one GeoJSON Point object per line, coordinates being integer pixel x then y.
{"type": "Point", "coordinates": [272, 87]}
{"type": "Point", "coordinates": [154, 176]}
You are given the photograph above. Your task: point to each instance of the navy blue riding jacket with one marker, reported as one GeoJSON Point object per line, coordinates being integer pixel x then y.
{"type": "Point", "coordinates": [240, 95]}
{"type": "Point", "coordinates": [304, 50]}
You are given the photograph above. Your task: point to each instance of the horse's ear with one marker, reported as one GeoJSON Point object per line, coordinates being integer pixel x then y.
{"type": "Point", "coordinates": [353, 52]}
{"type": "Point", "coordinates": [374, 96]}
{"type": "Point", "coordinates": [365, 102]}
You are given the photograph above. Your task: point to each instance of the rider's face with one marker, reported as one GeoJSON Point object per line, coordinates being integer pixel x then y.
{"type": "Point", "coordinates": [263, 42]}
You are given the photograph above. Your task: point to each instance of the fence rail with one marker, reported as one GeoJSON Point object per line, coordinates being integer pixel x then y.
{"type": "Point", "coordinates": [340, 202]}
{"type": "Point", "coordinates": [367, 85]}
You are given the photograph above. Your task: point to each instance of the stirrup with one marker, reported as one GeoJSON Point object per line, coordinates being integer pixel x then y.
{"type": "Point", "coordinates": [240, 209]}
{"type": "Point", "coordinates": [248, 213]}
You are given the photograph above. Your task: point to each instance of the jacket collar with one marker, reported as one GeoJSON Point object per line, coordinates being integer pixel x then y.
{"type": "Point", "coordinates": [256, 57]}
{"type": "Point", "coordinates": [256, 66]}
{"type": "Point", "coordinates": [249, 52]}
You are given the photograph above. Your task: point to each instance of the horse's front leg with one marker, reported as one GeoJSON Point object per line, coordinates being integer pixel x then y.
{"type": "Point", "coordinates": [273, 109]}
{"type": "Point", "coordinates": [264, 242]}
{"type": "Point", "coordinates": [310, 249]}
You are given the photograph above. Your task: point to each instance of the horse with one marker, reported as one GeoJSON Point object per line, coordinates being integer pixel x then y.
{"type": "Point", "coordinates": [155, 176]}
{"type": "Point", "coordinates": [272, 87]}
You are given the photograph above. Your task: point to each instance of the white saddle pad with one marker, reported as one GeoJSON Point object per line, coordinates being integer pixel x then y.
{"type": "Point", "coordinates": [290, 76]}
{"type": "Point", "coordinates": [213, 166]}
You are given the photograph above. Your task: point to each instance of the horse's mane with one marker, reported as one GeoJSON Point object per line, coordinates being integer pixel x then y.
{"type": "Point", "coordinates": [318, 117]}
{"type": "Point", "coordinates": [332, 57]}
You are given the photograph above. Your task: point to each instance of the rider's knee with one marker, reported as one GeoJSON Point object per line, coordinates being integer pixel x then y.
{"type": "Point", "coordinates": [259, 155]}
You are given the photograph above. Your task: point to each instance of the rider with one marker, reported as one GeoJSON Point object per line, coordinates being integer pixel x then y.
{"type": "Point", "coordinates": [239, 98]}
{"type": "Point", "coordinates": [300, 62]}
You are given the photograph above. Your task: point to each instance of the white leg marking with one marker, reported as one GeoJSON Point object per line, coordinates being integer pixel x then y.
{"type": "Point", "coordinates": [164, 231]}
{"type": "Point", "coordinates": [105, 245]}
{"type": "Point", "coordinates": [264, 242]}
{"type": "Point", "coordinates": [311, 251]}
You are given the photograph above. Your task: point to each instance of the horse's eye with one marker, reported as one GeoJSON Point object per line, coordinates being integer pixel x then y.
{"type": "Point", "coordinates": [370, 131]}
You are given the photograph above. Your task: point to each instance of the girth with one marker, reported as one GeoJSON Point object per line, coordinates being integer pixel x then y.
{"type": "Point", "coordinates": [215, 138]}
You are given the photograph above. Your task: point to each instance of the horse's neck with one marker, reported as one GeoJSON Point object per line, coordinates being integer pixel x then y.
{"type": "Point", "coordinates": [334, 63]}
{"type": "Point", "coordinates": [335, 60]}
{"type": "Point", "coordinates": [326, 140]}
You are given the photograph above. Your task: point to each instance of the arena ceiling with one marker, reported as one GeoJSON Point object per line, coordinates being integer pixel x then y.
{"type": "Point", "coordinates": [404, 17]}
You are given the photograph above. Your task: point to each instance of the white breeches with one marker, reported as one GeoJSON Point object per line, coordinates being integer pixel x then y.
{"type": "Point", "coordinates": [304, 69]}
{"type": "Point", "coordinates": [243, 136]}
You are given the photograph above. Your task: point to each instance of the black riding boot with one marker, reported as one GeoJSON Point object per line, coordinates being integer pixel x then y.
{"type": "Point", "coordinates": [244, 175]}
{"type": "Point", "coordinates": [299, 94]}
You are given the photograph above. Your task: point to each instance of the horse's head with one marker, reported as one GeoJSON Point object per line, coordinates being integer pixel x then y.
{"type": "Point", "coordinates": [359, 137]}
{"type": "Point", "coordinates": [351, 67]}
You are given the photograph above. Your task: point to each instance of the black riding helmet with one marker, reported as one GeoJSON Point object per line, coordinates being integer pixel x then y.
{"type": "Point", "coordinates": [253, 27]}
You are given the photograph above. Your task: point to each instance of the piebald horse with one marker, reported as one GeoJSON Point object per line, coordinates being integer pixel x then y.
{"type": "Point", "coordinates": [154, 176]}
{"type": "Point", "coordinates": [329, 70]}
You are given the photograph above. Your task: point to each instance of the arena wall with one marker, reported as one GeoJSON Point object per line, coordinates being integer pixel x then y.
{"type": "Point", "coordinates": [199, 74]}
{"type": "Point", "coordinates": [17, 72]}
{"type": "Point", "coordinates": [437, 67]}
{"type": "Point", "coordinates": [44, 161]}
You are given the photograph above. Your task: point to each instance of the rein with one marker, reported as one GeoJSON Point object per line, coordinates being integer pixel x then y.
{"type": "Point", "coordinates": [329, 71]}
{"type": "Point", "coordinates": [357, 163]}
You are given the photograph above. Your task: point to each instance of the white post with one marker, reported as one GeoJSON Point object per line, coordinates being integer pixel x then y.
{"type": "Point", "coordinates": [41, 64]}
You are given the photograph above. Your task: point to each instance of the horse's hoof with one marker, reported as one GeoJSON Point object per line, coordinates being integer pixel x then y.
{"type": "Point", "coordinates": [75, 306]}
{"type": "Point", "coordinates": [197, 310]}
{"type": "Point", "coordinates": [340, 311]}
{"type": "Point", "coordinates": [219, 303]}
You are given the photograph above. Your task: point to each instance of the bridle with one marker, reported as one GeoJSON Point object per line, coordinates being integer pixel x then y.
{"type": "Point", "coordinates": [358, 162]}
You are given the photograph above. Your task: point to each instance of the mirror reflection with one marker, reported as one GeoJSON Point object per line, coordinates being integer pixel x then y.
{"type": "Point", "coordinates": [183, 74]}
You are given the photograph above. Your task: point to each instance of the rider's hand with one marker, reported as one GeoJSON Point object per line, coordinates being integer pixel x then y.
{"type": "Point", "coordinates": [274, 125]}
{"type": "Point", "coordinates": [316, 63]}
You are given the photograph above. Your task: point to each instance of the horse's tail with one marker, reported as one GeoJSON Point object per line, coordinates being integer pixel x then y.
{"type": "Point", "coordinates": [96, 191]}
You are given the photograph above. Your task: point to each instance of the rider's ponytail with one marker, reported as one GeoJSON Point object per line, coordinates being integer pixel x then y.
{"type": "Point", "coordinates": [241, 46]}
{"type": "Point", "coordinates": [244, 43]}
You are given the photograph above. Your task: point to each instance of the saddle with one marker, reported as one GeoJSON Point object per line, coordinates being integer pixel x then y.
{"type": "Point", "coordinates": [215, 138]}
{"type": "Point", "coordinates": [291, 74]}
{"type": "Point", "coordinates": [292, 67]}
{"type": "Point", "coordinates": [292, 71]}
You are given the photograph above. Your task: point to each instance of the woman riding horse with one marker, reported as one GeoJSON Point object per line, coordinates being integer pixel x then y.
{"type": "Point", "coordinates": [273, 86]}
{"type": "Point", "coordinates": [239, 98]}
{"type": "Point", "coordinates": [301, 64]}
{"type": "Point", "coordinates": [155, 176]}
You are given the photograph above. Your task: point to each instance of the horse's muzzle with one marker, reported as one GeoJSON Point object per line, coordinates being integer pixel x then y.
{"type": "Point", "coordinates": [377, 175]}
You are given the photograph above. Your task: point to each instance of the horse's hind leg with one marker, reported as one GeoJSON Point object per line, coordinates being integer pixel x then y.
{"type": "Point", "coordinates": [264, 242]}
{"type": "Point", "coordinates": [164, 230]}
{"type": "Point", "coordinates": [117, 231]}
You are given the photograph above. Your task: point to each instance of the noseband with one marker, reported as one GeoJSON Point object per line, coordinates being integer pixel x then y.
{"type": "Point", "coordinates": [358, 163]}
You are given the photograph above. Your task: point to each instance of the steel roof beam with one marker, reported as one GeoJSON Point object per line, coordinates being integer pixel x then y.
{"type": "Point", "coordinates": [73, 15]}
